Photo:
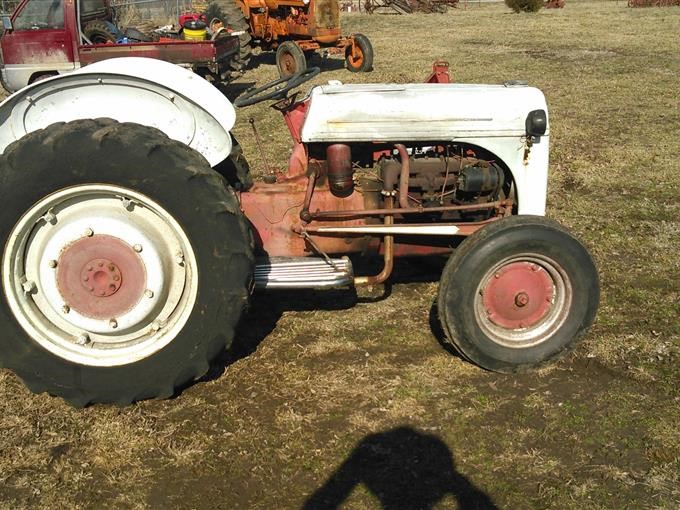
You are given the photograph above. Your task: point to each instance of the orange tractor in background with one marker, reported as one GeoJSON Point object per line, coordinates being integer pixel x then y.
{"type": "Point", "coordinates": [294, 28]}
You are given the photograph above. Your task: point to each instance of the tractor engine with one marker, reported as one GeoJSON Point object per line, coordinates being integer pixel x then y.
{"type": "Point", "coordinates": [438, 179]}
{"type": "Point", "coordinates": [438, 176]}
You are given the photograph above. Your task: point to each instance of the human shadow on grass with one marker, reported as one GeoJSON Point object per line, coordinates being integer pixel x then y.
{"type": "Point", "coordinates": [404, 469]}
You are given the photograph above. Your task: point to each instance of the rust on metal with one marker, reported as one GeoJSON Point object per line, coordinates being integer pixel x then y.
{"type": "Point", "coordinates": [653, 3]}
{"type": "Point", "coordinates": [403, 176]}
{"type": "Point", "coordinates": [440, 73]}
{"type": "Point", "coordinates": [100, 276]}
{"type": "Point", "coordinates": [388, 255]}
{"type": "Point", "coordinates": [498, 204]}
{"type": "Point", "coordinates": [408, 6]}
{"type": "Point", "coordinates": [518, 295]}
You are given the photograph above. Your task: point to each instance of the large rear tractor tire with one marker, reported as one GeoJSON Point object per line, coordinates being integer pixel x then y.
{"type": "Point", "coordinates": [232, 17]}
{"type": "Point", "coordinates": [100, 32]}
{"type": "Point", "coordinates": [126, 266]}
{"type": "Point", "coordinates": [517, 293]}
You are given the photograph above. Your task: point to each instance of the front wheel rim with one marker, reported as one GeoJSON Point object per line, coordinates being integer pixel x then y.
{"type": "Point", "coordinates": [100, 275]}
{"type": "Point", "coordinates": [523, 300]}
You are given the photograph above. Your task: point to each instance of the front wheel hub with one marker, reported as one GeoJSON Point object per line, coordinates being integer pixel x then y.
{"type": "Point", "coordinates": [518, 295]}
{"type": "Point", "coordinates": [522, 300]}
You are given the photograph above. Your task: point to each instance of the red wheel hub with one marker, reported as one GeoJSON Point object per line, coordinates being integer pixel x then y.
{"type": "Point", "coordinates": [518, 295]}
{"type": "Point", "coordinates": [100, 277]}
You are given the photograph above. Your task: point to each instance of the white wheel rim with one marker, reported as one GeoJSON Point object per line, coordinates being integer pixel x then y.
{"type": "Point", "coordinates": [41, 244]}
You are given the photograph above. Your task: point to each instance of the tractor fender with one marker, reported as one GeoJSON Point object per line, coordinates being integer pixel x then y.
{"type": "Point", "coordinates": [145, 91]}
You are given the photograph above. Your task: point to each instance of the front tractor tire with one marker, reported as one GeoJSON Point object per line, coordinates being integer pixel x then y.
{"type": "Point", "coordinates": [359, 54]}
{"type": "Point", "coordinates": [290, 59]}
{"type": "Point", "coordinates": [517, 293]}
{"type": "Point", "coordinates": [126, 266]}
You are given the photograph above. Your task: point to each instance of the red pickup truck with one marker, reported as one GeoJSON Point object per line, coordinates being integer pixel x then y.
{"type": "Point", "coordinates": [45, 37]}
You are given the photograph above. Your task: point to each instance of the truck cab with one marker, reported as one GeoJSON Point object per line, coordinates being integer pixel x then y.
{"type": "Point", "coordinates": [44, 38]}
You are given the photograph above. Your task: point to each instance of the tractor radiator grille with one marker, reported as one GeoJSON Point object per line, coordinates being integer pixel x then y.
{"type": "Point", "coordinates": [327, 13]}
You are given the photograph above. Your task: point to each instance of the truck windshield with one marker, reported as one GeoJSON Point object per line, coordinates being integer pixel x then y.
{"type": "Point", "coordinates": [40, 15]}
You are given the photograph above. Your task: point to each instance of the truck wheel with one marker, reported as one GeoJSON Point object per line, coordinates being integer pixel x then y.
{"type": "Point", "coordinates": [127, 262]}
{"type": "Point", "coordinates": [359, 55]}
{"type": "Point", "coordinates": [290, 59]}
{"type": "Point", "coordinates": [232, 17]}
{"type": "Point", "coordinates": [516, 293]}
{"type": "Point", "coordinates": [100, 32]}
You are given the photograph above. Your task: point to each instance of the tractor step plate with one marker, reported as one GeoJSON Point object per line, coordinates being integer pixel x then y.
{"type": "Point", "coordinates": [302, 273]}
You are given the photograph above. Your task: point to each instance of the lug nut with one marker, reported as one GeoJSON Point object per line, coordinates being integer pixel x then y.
{"type": "Point", "coordinates": [52, 264]}
{"type": "Point", "coordinates": [50, 217]}
{"type": "Point", "coordinates": [148, 293]}
{"type": "Point", "coordinates": [113, 323]}
{"type": "Point", "coordinates": [137, 248]}
{"type": "Point", "coordinates": [83, 339]}
{"type": "Point", "coordinates": [66, 309]}
{"type": "Point", "coordinates": [89, 232]}
{"type": "Point", "coordinates": [179, 257]}
{"type": "Point", "coordinates": [29, 287]}
{"type": "Point", "coordinates": [155, 326]}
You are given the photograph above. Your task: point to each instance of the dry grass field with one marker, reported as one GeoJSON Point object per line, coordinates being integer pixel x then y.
{"type": "Point", "coordinates": [339, 400]}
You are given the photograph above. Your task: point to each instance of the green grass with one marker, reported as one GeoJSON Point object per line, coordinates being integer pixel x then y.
{"type": "Point", "coordinates": [598, 430]}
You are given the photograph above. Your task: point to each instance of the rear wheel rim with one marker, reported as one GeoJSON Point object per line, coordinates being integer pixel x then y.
{"type": "Point", "coordinates": [100, 275]}
{"type": "Point", "coordinates": [523, 300]}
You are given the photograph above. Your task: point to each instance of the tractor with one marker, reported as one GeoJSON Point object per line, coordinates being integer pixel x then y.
{"type": "Point", "coordinates": [134, 242]}
{"type": "Point", "coordinates": [295, 29]}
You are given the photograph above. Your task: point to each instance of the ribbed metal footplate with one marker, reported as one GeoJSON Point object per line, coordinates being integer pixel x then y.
{"type": "Point", "coordinates": [302, 273]}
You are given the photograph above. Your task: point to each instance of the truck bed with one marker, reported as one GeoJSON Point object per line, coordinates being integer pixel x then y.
{"type": "Point", "coordinates": [208, 53]}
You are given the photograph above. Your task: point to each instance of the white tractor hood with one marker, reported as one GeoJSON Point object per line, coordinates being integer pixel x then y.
{"type": "Point", "coordinates": [426, 112]}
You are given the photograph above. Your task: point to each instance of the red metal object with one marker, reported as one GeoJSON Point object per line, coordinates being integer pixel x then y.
{"type": "Point", "coordinates": [519, 295]}
{"type": "Point", "coordinates": [340, 171]}
{"type": "Point", "coordinates": [101, 277]}
{"type": "Point", "coordinates": [191, 16]}
{"type": "Point", "coordinates": [440, 73]}
{"type": "Point", "coordinates": [403, 177]}
{"type": "Point", "coordinates": [294, 117]}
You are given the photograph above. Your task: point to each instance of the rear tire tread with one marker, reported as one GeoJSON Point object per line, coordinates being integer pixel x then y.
{"type": "Point", "coordinates": [48, 145]}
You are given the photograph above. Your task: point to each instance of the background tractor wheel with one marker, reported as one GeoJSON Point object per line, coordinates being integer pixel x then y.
{"type": "Point", "coordinates": [359, 56]}
{"type": "Point", "coordinates": [100, 32]}
{"type": "Point", "coordinates": [290, 59]}
{"type": "Point", "coordinates": [115, 286]}
{"type": "Point", "coordinates": [516, 293]}
{"type": "Point", "coordinates": [232, 17]}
